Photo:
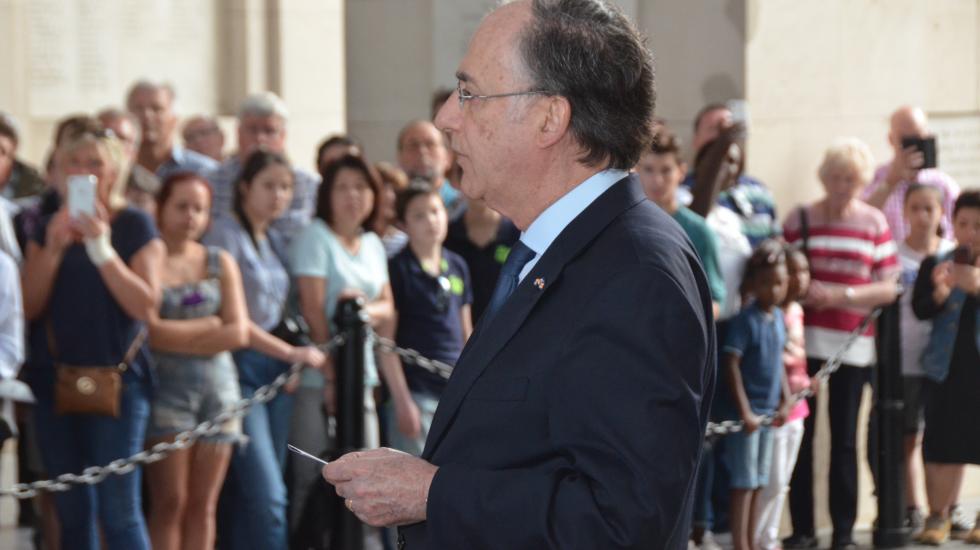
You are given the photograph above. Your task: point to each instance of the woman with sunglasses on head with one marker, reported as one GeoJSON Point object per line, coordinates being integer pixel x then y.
{"type": "Point", "coordinates": [336, 257]}
{"type": "Point", "coordinates": [432, 292]}
{"type": "Point", "coordinates": [252, 512]}
{"type": "Point", "coordinates": [202, 318]}
{"type": "Point", "coordinates": [90, 281]}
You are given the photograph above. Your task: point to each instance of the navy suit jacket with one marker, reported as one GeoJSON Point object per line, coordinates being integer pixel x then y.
{"type": "Point", "coordinates": [575, 418]}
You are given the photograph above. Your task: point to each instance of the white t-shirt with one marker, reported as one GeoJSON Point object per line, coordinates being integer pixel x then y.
{"type": "Point", "coordinates": [915, 333]}
{"type": "Point", "coordinates": [733, 251]}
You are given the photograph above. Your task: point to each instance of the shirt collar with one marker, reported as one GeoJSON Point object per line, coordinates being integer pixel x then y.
{"type": "Point", "coordinates": [550, 223]}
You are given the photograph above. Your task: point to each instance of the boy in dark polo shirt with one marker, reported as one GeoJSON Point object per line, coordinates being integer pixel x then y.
{"type": "Point", "coordinates": [431, 287]}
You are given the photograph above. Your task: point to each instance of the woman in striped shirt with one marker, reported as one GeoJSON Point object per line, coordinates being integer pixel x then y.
{"type": "Point", "coordinates": [854, 267]}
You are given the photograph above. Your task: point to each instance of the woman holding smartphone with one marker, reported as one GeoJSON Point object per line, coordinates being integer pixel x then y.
{"type": "Point", "coordinates": [253, 506]}
{"type": "Point", "coordinates": [89, 284]}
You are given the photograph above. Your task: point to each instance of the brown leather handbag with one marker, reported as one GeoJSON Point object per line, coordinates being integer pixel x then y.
{"type": "Point", "coordinates": [91, 390]}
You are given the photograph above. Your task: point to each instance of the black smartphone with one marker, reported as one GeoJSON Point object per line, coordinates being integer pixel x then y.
{"type": "Point", "coordinates": [964, 256]}
{"type": "Point", "coordinates": [926, 146]}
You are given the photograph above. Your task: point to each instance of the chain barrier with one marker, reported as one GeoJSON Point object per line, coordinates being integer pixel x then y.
{"type": "Point", "coordinates": [830, 366]}
{"type": "Point", "coordinates": [95, 474]}
{"type": "Point", "coordinates": [411, 356]}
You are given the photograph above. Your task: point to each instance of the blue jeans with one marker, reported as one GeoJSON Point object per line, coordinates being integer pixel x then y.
{"type": "Point", "coordinates": [427, 405]}
{"type": "Point", "coordinates": [253, 501]}
{"type": "Point", "coordinates": [71, 443]}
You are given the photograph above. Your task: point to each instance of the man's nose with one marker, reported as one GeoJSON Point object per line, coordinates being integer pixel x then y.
{"type": "Point", "coordinates": [447, 119]}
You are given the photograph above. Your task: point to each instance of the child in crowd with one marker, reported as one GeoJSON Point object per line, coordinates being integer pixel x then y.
{"type": "Point", "coordinates": [753, 364]}
{"type": "Point", "coordinates": [923, 214]}
{"type": "Point", "coordinates": [787, 435]}
{"type": "Point", "coordinates": [432, 292]}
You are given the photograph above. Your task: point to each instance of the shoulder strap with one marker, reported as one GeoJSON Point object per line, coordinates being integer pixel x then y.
{"type": "Point", "coordinates": [134, 348]}
{"type": "Point", "coordinates": [805, 230]}
{"type": "Point", "coordinates": [214, 262]}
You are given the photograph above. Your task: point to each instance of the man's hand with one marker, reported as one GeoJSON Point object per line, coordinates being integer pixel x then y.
{"type": "Point", "coordinates": [905, 166]}
{"type": "Point", "coordinates": [383, 487]}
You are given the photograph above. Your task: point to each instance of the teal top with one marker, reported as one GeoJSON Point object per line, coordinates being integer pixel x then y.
{"type": "Point", "coordinates": [706, 245]}
{"type": "Point", "coordinates": [316, 252]}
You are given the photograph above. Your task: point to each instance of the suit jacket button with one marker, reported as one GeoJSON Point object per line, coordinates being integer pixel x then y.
{"type": "Point", "coordinates": [401, 541]}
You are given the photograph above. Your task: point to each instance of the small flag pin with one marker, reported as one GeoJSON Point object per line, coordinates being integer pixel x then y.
{"type": "Point", "coordinates": [539, 282]}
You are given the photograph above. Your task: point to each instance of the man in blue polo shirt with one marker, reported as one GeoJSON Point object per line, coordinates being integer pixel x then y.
{"type": "Point", "coordinates": [431, 288]}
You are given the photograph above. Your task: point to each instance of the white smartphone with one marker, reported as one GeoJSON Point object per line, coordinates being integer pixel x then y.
{"type": "Point", "coordinates": [81, 195]}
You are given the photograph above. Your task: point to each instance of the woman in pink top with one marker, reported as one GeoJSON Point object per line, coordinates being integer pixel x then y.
{"type": "Point", "coordinates": [854, 267]}
{"type": "Point", "coordinates": [788, 435]}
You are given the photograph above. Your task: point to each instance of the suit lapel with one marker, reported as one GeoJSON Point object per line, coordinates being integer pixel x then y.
{"type": "Point", "coordinates": [490, 338]}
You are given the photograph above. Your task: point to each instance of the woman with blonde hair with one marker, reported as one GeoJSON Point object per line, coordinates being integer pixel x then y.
{"type": "Point", "coordinates": [90, 282]}
{"type": "Point", "coordinates": [854, 268]}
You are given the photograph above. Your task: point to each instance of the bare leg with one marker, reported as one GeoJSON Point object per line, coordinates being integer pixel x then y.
{"type": "Point", "coordinates": [911, 445]}
{"type": "Point", "coordinates": [739, 511]}
{"type": "Point", "coordinates": [753, 517]}
{"type": "Point", "coordinates": [50, 526]}
{"type": "Point", "coordinates": [943, 482]}
{"type": "Point", "coordinates": [208, 466]}
{"type": "Point", "coordinates": [167, 480]}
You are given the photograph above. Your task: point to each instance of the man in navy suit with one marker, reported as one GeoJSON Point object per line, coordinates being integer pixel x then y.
{"type": "Point", "coordinates": [575, 414]}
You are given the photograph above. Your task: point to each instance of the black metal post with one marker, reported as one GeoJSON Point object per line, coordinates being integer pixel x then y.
{"type": "Point", "coordinates": [351, 320]}
{"type": "Point", "coordinates": [889, 407]}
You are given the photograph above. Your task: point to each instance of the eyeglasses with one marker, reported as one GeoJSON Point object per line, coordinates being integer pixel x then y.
{"type": "Point", "coordinates": [465, 96]}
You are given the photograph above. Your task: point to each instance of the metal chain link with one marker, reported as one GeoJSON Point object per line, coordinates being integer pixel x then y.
{"type": "Point", "coordinates": [122, 466]}
{"type": "Point", "coordinates": [96, 474]}
{"type": "Point", "coordinates": [412, 357]}
{"type": "Point", "coordinates": [830, 366]}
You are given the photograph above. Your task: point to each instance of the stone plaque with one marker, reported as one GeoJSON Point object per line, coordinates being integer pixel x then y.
{"type": "Point", "coordinates": [958, 143]}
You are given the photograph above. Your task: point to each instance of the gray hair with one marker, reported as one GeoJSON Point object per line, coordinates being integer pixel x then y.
{"type": "Point", "coordinates": [588, 52]}
{"type": "Point", "coordinates": [263, 104]}
{"type": "Point", "coordinates": [145, 84]}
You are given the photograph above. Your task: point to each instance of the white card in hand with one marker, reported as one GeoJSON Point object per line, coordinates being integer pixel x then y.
{"type": "Point", "coordinates": [303, 453]}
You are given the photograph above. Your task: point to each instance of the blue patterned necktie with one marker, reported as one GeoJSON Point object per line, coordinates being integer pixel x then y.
{"type": "Point", "coordinates": [519, 256]}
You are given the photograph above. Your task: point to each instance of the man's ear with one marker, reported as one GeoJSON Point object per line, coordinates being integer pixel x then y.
{"type": "Point", "coordinates": [555, 121]}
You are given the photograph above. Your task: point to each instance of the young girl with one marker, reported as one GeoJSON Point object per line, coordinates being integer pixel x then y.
{"type": "Point", "coordinates": [787, 436]}
{"type": "Point", "coordinates": [202, 318]}
{"type": "Point", "coordinates": [254, 505]}
{"type": "Point", "coordinates": [753, 364]}
{"type": "Point", "coordinates": [923, 214]}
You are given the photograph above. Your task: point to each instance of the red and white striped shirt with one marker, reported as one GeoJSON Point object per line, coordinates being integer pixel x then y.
{"type": "Point", "coordinates": [852, 251]}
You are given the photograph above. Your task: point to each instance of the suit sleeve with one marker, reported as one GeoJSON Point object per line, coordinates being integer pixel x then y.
{"type": "Point", "coordinates": [628, 417]}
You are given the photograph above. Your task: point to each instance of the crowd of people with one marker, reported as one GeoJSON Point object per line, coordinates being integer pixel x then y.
{"type": "Point", "coordinates": [787, 297]}
{"type": "Point", "coordinates": [198, 278]}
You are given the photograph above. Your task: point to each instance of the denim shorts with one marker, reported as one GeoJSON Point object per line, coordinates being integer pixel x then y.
{"type": "Point", "coordinates": [749, 458]}
{"type": "Point", "coordinates": [192, 390]}
{"type": "Point", "coordinates": [915, 394]}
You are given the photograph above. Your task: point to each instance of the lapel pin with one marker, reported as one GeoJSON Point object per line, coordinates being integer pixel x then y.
{"type": "Point", "coordinates": [539, 282]}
